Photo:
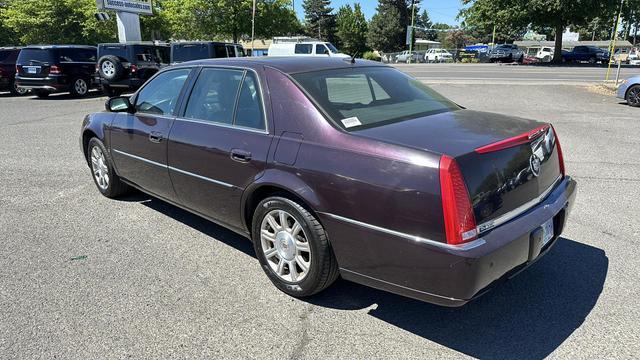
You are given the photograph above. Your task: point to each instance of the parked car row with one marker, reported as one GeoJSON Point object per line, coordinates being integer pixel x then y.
{"type": "Point", "coordinates": [114, 68]}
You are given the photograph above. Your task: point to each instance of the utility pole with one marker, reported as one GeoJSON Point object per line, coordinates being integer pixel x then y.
{"type": "Point", "coordinates": [253, 25]}
{"type": "Point", "coordinates": [612, 47]}
{"type": "Point", "coordinates": [413, 13]}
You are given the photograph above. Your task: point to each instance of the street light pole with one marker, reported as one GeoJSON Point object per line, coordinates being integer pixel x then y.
{"type": "Point", "coordinates": [612, 46]}
{"type": "Point", "coordinates": [253, 25]}
{"type": "Point", "coordinates": [413, 11]}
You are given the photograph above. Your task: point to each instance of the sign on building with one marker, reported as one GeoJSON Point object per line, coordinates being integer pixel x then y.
{"type": "Point", "coordinates": [144, 7]}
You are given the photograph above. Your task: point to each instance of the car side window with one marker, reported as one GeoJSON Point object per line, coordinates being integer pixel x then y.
{"type": "Point", "coordinates": [160, 95]}
{"type": "Point", "coordinates": [220, 51]}
{"type": "Point", "coordinates": [321, 49]}
{"type": "Point", "coordinates": [214, 95]}
{"type": "Point", "coordinates": [303, 48]}
{"type": "Point", "coordinates": [249, 112]}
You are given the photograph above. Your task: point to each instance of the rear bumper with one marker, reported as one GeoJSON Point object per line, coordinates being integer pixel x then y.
{"type": "Point", "coordinates": [50, 83]}
{"type": "Point", "coordinates": [445, 275]}
{"type": "Point", "coordinates": [128, 83]}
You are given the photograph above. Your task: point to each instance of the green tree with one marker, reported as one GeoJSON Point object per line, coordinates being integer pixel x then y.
{"type": "Point", "coordinates": [519, 14]}
{"type": "Point", "coordinates": [351, 29]}
{"type": "Point", "coordinates": [388, 27]}
{"type": "Point", "coordinates": [57, 22]}
{"type": "Point", "coordinates": [423, 21]}
{"type": "Point", "coordinates": [318, 19]}
{"type": "Point", "coordinates": [7, 35]}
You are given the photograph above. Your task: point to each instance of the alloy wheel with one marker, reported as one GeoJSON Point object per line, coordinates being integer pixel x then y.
{"type": "Point", "coordinates": [633, 96]}
{"type": "Point", "coordinates": [80, 86]}
{"type": "Point", "coordinates": [99, 167]}
{"type": "Point", "coordinates": [285, 246]}
{"type": "Point", "coordinates": [108, 68]}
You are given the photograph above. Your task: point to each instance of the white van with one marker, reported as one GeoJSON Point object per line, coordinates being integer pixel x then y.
{"type": "Point", "coordinates": [311, 48]}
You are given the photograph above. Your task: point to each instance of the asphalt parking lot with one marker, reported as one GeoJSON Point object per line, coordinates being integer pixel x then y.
{"type": "Point", "coordinates": [82, 276]}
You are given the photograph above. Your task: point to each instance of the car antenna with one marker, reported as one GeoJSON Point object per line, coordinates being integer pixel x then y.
{"type": "Point", "coordinates": [353, 57]}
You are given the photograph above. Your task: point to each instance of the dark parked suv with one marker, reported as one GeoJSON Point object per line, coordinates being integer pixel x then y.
{"type": "Point", "coordinates": [8, 57]}
{"type": "Point", "coordinates": [336, 167]}
{"type": "Point", "coordinates": [125, 67]}
{"type": "Point", "coordinates": [56, 68]}
{"type": "Point", "coordinates": [187, 51]}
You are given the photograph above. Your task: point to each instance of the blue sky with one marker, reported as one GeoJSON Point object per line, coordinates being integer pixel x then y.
{"type": "Point", "coordinates": [444, 11]}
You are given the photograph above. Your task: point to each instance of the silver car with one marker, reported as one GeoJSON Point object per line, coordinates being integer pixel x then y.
{"type": "Point", "coordinates": [629, 91]}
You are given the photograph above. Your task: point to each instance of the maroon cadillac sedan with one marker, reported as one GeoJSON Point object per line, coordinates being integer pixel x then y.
{"type": "Point", "coordinates": [340, 168]}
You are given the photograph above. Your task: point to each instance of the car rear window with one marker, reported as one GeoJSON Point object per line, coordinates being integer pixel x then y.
{"type": "Point", "coordinates": [8, 56]}
{"type": "Point", "coordinates": [371, 96]}
{"type": "Point", "coordinates": [37, 55]}
{"type": "Point", "coordinates": [188, 52]}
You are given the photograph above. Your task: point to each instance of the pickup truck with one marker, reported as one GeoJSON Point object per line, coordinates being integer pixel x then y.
{"type": "Point", "coordinates": [506, 52]}
{"type": "Point", "coordinates": [590, 54]}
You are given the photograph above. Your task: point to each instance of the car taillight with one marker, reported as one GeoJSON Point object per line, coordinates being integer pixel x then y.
{"type": "Point", "coordinates": [54, 69]}
{"type": "Point", "coordinates": [513, 141]}
{"type": "Point", "coordinates": [133, 68]}
{"type": "Point", "coordinates": [459, 220]}
{"type": "Point", "coordinates": [560, 156]}
{"type": "Point", "coordinates": [97, 68]}
{"type": "Point", "coordinates": [18, 68]}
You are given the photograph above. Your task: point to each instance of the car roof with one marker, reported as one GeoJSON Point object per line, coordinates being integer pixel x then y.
{"type": "Point", "coordinates": [10, 48]}
{"type": "Point", "coordinates": [44, 47]}
{"type": "Point", "coordinates": [202, 42]}
{"type": "Point", "coordinates": [145, 43]}
{"type": "Point", "coordinates": [289, 64]}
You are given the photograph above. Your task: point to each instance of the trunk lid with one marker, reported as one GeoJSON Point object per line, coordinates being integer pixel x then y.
{"type": "Point", "coordinates": [501, 182]}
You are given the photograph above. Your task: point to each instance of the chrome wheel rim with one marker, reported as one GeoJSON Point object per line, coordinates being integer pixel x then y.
{"type": "Point", "coordinates": [99, 167]}
{"type": "Point", "coordinates": [633, 97]}
{"type": "Point", "coordinates": [285, 246]}
{"type": "Point", "coordinates": [80, 86]}
{"type": "Point", "coordinates": [108, 68]}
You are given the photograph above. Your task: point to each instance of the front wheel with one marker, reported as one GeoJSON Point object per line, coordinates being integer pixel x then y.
{"type": "Point", "coordinates": [104, 176]}
{"type": "Point", "coordinates": [292, 247]}
{"type": "Point", "coordinates": [633, 96]}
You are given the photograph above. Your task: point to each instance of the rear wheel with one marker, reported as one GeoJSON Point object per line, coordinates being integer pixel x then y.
{"type": "Point", "coordinates": [79, 87]}
{"type": "Point", "coordinates": [633, 96]}
{"type": "Point", "coordinates": [292, 247]}
{"type": "Point", "coordinates": [105, 178]}
{"type": "Point", "coordinates": [42, 94]}
{"type": "Point", "coordinates": [17, 90]}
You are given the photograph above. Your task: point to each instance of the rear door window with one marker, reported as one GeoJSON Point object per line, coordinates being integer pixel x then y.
{"type": "Point", "coordinates": [321, 49]}
{"type": "Point", "coordinates": [249, 112]}
{"type": "Point", "coordinates": [213, 97]}
{"type": "Point", "coordinates": [160, 95]}
{"type": "Point", "coordinates": [303, 48]}
{"type": "Point", "coordinates": [219, 51]}
{"type": "Point", "coordinates": [8, 56]}
{"type": "Point", "coordinates": [188, 52]}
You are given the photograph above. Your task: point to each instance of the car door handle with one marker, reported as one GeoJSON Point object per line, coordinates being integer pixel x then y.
{"type": "Point", "coordinates": [240, 155]}
{"type": "Point", "coordinates": [155, 137]}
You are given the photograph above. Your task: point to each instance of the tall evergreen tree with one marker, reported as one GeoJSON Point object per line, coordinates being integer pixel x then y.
{"type": "Point", "coordinates": [318, 19]}
{"type": "Point", "coordinates": [351, 29]}
{"type": "Point", "coordinates": [388, 28]}
{"type": "Point", "coordinates": [424, 21]}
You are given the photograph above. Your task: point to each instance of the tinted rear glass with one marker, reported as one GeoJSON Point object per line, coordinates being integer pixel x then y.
{"type": "Point", "coordinates": [368, 97]}
{"type": "Point", "coordinates": [119, 51]}
{"type": "Point", "coordinates": [8, 56]}
{"type": "Point", "coordinates": [37, 55]}
{"type": "Point", "coordinates": [190, 52]}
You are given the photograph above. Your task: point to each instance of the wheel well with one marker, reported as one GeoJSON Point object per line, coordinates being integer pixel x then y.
{"type": "Point", "coordinates": [87, 135]}
{"type": "Point", "coordinates": [266, 191]}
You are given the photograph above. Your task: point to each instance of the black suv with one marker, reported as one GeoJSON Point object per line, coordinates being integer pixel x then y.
{"type": "Point", "coordinates": [56, 68]}
{"type": "Point", "coordinates": [125, 67]}
{"type": "Point", "coordinates": [8, 57]}
{"type": "Point", "coordinates": [186, 51]}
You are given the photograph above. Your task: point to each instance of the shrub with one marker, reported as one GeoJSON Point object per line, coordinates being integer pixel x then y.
{"type": "Point", "coordinates": [370, 55]}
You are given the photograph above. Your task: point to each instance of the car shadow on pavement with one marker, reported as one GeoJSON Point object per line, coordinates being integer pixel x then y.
{"type": "Point", "coordinates": [211, 229]}
{"type": "Point", "coordinates": [527, 317]}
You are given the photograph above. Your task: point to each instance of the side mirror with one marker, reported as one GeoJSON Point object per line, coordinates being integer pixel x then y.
{"type": "Point", "coordinates": [118, 104]}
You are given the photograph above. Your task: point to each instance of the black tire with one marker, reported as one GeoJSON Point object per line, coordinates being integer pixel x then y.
{"type": "Point", "coordinates": [115, 186]}
{"type": "Point", "coordinates": [17, 91]}
{"type": "Point", "coordinates": [110, 92]}
{"type": "Point", "coordinates": [110, 68]}
{"type": "Point", "coordinates": [79, 87]}
{"type": "Point", "coordinates": [42, 94]}
{"type": "Point", "coordinates": [633, 96]}
{"type": "Point", "coordinates": [323, 269]}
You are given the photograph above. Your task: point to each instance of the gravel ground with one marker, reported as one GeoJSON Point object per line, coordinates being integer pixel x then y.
{"type": "Point", "coordinates": [83, 277]}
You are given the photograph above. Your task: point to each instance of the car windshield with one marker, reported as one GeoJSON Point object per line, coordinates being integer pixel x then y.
{"type": "Point", "coordinates": [332, 48]}
{"type": "Point", "coordinates": [6, 55]}
{"type": "Point", "coordinates": [371, 96]}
